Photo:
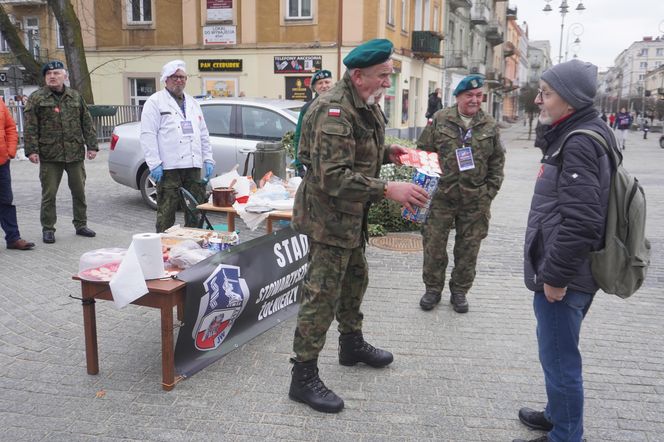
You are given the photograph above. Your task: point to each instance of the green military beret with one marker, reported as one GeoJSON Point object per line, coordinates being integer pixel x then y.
{"type": "Point", "coordinates": [319, 75]}
{"type": "Point", "coordinates": [370, 53]}
{"type": "Point", "coordinates": [51, 66]}
{"type": "Point", "coordinates": [469, 82]}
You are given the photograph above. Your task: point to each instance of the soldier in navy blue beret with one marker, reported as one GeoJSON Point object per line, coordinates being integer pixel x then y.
{"type": "Point", "coordinates": [51, 66]}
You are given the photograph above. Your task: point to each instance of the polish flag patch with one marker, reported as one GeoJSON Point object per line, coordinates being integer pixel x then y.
{"type": "Point", "coordinates": [334, 112]}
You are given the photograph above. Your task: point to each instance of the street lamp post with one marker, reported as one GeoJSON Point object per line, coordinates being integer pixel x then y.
{"type": "Point", "coordinates": [564, 9]}
{"type": "Point", "coordinates": [577, 30]}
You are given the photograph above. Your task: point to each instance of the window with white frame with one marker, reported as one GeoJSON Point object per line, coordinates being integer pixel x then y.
{"type": "Point", "coordinates": [404, 15]}
{"type": "Point", "coordinates": [59, 37]}
{"type": "Point", "coordinates": [643, 65]}
{"type": "Point", "coordinates": [659, 51]}
{"type": "Point", "coordinates": [296, 9]}
{"type": "Point", "coordinates": [426, 25]}
{"type": "Point", "coordinates": [390, 12]}
{"type": "Point", "coordinates": [436, 18]}
{"type": "Point", "coordinates": [644, 52]}
{"type": "Point", "coordinates": [141, 89]}
{"type": "Point", "coordinates": [4, 47]}
{"type": "Point", "coordinates": [139, 11]}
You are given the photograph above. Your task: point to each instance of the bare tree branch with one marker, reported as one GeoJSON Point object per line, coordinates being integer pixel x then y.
{"type": "Point", "coordinates": [17, 47]}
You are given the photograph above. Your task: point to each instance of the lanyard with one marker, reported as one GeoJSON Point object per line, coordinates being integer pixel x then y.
{"type": "Point", "coordinates": [466, 138]}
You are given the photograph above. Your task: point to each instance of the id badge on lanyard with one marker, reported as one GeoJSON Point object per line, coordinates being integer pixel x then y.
{"type": "Point", "coordinates": [464, 154]}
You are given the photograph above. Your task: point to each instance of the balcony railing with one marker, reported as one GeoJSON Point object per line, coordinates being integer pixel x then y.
{"type": "Point", "coordinates": [456, 59]}
{"type": "Point", "coordinates": [426, 44]}
{"type": "Point", "coordinates": [454, 4]}
{"type": "Point", "coordinates": [480, 14]}
{"type": "Point", "coordinates": [494, 33]}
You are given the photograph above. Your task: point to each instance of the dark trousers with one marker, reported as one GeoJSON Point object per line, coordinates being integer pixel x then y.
{"type": "Point", "coordinates": [50, 175]}
{"type": "Point", "coordinates": [8, 219]}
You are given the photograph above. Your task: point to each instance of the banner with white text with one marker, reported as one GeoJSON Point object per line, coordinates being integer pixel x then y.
{"type": "Point", "coordinates": [237, 294]}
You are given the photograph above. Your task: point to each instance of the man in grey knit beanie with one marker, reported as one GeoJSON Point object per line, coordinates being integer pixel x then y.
{"type": "Point", "coordinates": [575, 81]}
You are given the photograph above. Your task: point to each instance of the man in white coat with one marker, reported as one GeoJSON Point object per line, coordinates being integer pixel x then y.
{"type": "Point", "coordinates": [176, 144]}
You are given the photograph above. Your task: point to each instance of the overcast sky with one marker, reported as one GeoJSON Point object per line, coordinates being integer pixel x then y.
{"type": "Point", "coordinates": [609, 26]}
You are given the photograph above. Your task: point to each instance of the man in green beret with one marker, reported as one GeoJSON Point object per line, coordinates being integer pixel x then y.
{"type": "Point", "coordinates": [342, 147]}
{"type": "Point", "coordinates": [321, 82]}
{"type": "Point", "coordinates": [58, 127]}
{"type": "Point", "coordinates": [472, 159]}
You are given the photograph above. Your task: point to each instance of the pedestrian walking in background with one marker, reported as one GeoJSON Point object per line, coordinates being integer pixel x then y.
{"type": "Point", "coordinates": [176, 144]}
{"type": "Point", "coordinates": [321, 82]}
{"type": "Point", "coordinates": [57, 129]}
{"type": "Point", "coordinates": [472, 159]}
{"type": "Point", "coordinates": [342, 147]}
{"type": "Point", "coordinates": [612, 120]}
{"type": "Point", "coordinates": [623, 123]}
{"type": "Point", "coordinates": [603, 117]}
{"type": "Point", "coordinates": [435, 103]}
{"type": "Point", "coordinates": [646, 129]}
{"type": "Point", "coordinates": [566, 221]}
{"type": "Point", "coordinates": [8, 219]}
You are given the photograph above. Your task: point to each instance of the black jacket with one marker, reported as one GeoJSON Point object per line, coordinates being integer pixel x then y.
{"type": "Point", "coordinates": [569, 205]}
{"type": "Point", "coordinates": [435, 104]}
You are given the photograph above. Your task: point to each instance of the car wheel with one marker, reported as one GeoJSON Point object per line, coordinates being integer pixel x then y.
{"type": "Point", "coordinates": [661, 142]}
{"type": "Point", "coordinates": [148, 189]}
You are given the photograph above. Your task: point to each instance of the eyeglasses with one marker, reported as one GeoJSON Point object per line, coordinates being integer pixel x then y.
{"type": "Point", "coordinates": [178, 77]}
{"type": "Point", "coordinates": [541, 94]}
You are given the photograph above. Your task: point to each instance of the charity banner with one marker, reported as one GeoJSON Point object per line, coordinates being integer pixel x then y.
{"type": "Point", "coordinates": [238, 294]}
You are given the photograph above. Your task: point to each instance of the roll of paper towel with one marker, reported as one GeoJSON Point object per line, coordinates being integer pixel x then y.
{"type": "Point", "coordinates": [148, 251]}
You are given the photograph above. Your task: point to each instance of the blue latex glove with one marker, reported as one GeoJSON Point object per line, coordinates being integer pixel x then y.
{"type": "Point", "coordinates": [209, 168]}
{"type": "Point", "coordinates": [157, 173]}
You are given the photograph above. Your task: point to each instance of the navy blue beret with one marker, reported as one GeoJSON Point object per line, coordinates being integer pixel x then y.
{"type": "Point", "coordinates": [469, 82]}
{"type": "Point", "coordinates": [370, 53]}
{"type": "Point", "coordinates": [52, 65]}
{"type": "Point", "coordinates": [319, 75]}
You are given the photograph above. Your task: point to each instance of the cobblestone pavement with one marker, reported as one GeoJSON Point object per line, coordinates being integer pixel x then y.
{"type": "Point", "coordinates": [455, 377]}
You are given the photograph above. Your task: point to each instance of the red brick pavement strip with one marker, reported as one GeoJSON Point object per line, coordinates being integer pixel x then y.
{"type": "Point", "coordinates": [455, 377]}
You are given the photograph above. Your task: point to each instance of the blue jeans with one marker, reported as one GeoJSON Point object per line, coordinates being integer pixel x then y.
{"type": "Point", "coordinates": [558, 330]}
{"type": "Point", "coordinates": [7, 209]}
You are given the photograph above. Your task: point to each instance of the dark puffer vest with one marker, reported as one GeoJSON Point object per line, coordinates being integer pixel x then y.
{"type": "Point", "coordinates": [568, 211]}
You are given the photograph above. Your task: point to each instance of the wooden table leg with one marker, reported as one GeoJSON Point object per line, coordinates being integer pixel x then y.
{"type": "Point", "coordinates": [90, 327]}
{"type": "Point", "coordinates": [268, 227]}
{"type": "Point", "coordinates": [167, 351]}
{"type": "Point", "coordinates": [231, 222]}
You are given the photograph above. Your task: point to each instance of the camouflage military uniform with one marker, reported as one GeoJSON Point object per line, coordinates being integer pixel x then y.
{"type": "Point", "coordinates": [342, 147]}
{"type": "Point", "coordinates": [463, 198]}
{"type": "Point", "coordinates": [168, 196]}
{"type": "Point", "coordinates": [57, 128]}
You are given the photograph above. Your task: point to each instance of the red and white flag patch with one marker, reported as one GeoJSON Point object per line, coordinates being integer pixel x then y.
{"type": "Point", "coordinates": [334, 112]}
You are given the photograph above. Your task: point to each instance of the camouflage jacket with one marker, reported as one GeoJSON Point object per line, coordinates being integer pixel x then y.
{"type": "Point", "coordinates": [58, 127]}
{"type": "Point", "coordinates": [342, 146]}
{"type": "Point", "coordinates": [445, 135]}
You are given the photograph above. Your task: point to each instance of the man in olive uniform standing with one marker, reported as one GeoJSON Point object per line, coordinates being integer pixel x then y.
{"type": "Point", "coordinates": [342, 148]}
{"type": "Point", "coordinates": [58, 126]}
{"type": "Point", "coordinates": [472, 159]}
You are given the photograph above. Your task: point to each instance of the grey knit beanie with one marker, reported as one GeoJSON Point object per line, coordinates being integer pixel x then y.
{"type": "Point", "coordinates": [575, 81]}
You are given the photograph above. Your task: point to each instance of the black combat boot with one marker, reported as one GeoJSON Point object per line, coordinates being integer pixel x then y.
{"type": "Point", "coordinates": [459, 302]}
{"type": "Point", "coordinates": [353, 349]}
{"type": "Point", "coordinates": [429, 300]}
{"type": "Point", "coordinates": [308, 388]}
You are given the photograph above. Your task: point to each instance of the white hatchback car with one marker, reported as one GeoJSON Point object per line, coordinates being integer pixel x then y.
{"type": "Point", "coordinates": [236, 125]}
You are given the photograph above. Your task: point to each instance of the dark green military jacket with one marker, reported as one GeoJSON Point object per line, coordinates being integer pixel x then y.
{"type": "Point", "coordinates": [58, 127]}
{"type": "Point", "coordinates": [445, 135]}
{"type": "Point", "coordinates": [342, 146]}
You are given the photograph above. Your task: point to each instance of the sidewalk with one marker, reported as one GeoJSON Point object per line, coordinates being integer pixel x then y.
{"type": "Point", "coordinates": [454, 378]}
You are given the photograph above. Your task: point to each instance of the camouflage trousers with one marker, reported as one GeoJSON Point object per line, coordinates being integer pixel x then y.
{"type": "Point", "coordinates": [50, 175]}
{"type": "Point", "coordinates": [334, 287]}
{"type": "Point", "coordinates": [470, 219]}
{"type": "Point", "coordinates": [168, 196]}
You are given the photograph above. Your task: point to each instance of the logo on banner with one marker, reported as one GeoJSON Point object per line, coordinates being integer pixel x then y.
{"type": "Point", "coordinates": [226, 295]}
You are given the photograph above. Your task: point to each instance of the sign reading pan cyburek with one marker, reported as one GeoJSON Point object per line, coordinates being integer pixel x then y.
{"type": "Point", "coordinates": [236, 295]}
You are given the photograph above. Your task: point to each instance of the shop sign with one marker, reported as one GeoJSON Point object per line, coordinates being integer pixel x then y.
{"type": "Point", "coordinates": [234, 65]}
{"type": "Point", "coordinates": [220, 10]}
{"type": "Point", "coordinates": [219, 35]}
{"type": "Point", "coordinates": [297, 88]}
{"type": "Point", "coordinates": [297, 64]}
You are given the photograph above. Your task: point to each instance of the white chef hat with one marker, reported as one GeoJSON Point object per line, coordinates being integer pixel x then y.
{"type": "Point", "coordinates": [172, 67]}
